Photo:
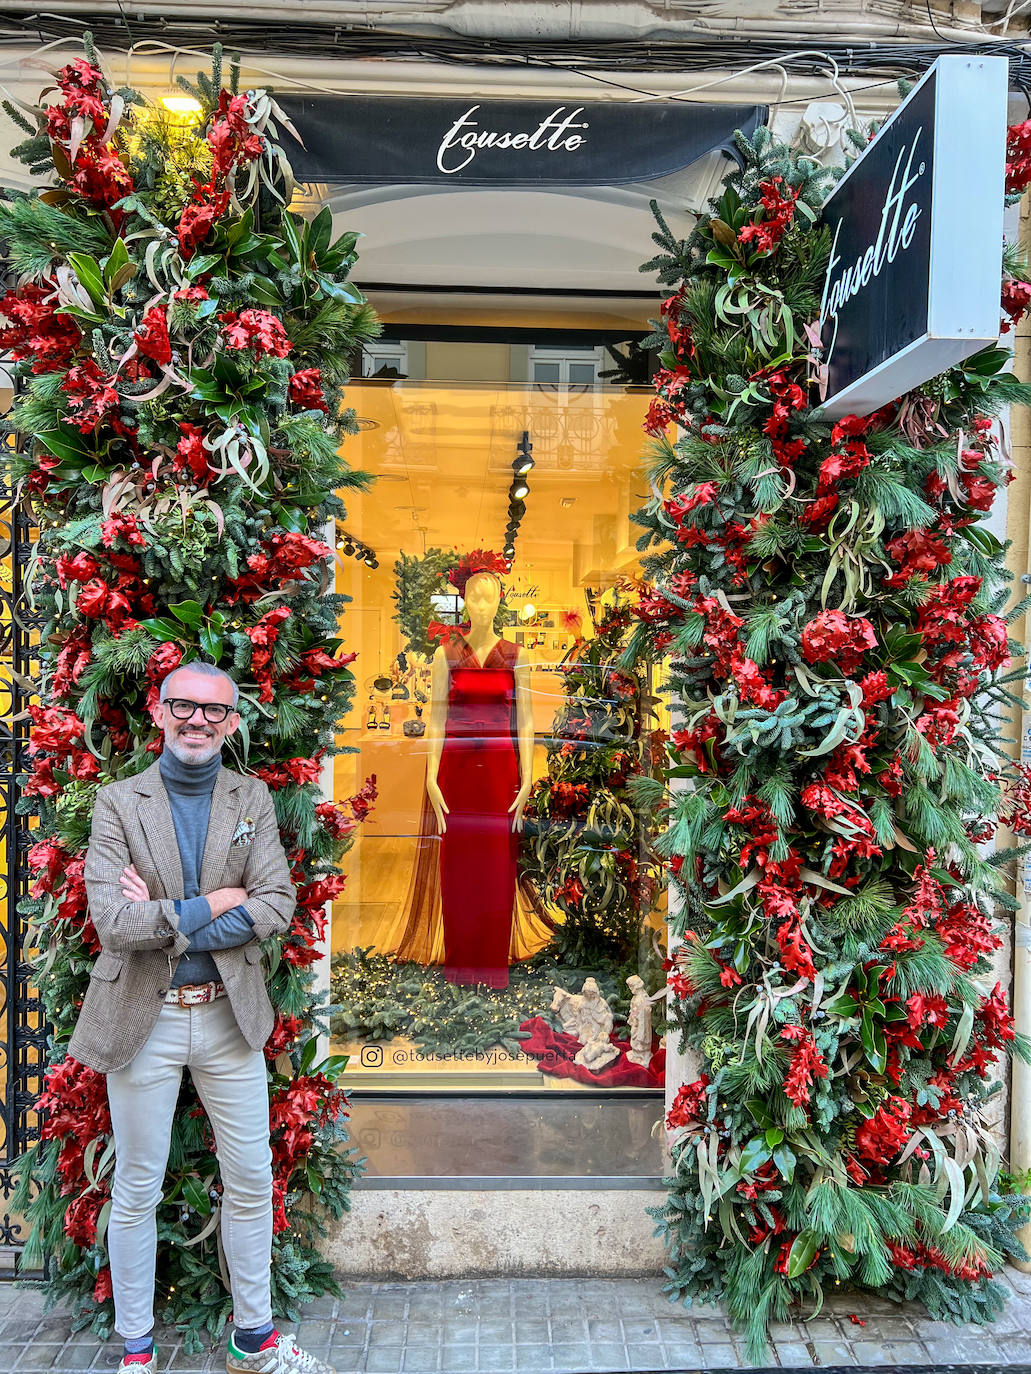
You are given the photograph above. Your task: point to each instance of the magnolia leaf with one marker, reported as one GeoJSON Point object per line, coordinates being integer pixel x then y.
{"type": "Point", "coordinates": [209, 1227]}
{"type": "Point", "coordinates": [802, 1253]}
{"type": "Point", "coordinates": [963, 1032]}
{"type": "Point", "coordinates": [957, 1186]}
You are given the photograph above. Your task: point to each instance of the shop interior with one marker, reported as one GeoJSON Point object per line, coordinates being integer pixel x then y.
{"type": "Point", "coordinates": [453, 428]}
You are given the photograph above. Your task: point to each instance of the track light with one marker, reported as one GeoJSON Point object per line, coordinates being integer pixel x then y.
{"type": "Point", "coordinates": [519, 489]}
{"type": "Point", "coordinates": [516, 509]}
{"type": "Point", "coordinates": [522, 465]}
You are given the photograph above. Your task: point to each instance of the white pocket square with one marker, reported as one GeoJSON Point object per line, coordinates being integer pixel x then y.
{"type": "Point", "coordinates": [244, 832]}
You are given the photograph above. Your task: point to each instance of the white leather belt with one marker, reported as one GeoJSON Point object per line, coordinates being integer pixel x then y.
{"type": "Point", "coordinates": [193, 994]}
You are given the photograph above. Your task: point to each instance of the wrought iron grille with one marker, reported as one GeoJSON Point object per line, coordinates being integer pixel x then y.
{"type": "Point", "coordinates": [22, 1027]}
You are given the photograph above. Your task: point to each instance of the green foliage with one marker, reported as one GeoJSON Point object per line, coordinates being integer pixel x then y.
{"type": "Point", "coordinates": [380, 999]}
{"type": "Point", "coordinates": [831, 614]}
{"type": "Point", "coordinates": [180, 476]}
{"type": "Point", "coordinates": [589, 835]}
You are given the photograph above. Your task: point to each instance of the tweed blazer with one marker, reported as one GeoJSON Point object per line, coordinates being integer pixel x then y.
{"type": "Point", "coordinates": [141, 941]}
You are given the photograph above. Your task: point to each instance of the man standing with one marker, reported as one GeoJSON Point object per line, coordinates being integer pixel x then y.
{"type": "Point", "coordinates": [185, 875]}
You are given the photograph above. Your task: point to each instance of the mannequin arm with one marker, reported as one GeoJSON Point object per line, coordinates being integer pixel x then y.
{"type": "Point", "coordinates": [435, 726]}
{"type": "Point", "coordinates": [524, 737]}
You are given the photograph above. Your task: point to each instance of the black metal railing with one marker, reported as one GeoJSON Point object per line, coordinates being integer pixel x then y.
{"type": "Point", "coordinates": [22, 1026]}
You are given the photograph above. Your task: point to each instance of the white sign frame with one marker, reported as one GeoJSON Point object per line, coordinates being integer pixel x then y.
{"type": "Point", "coordinates": [967, 204]}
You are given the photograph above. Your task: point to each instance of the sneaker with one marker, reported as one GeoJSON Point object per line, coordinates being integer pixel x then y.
{"type": "Point", "coordinates": [278, 1355]}
{"type": "Point", "coordinates": [140, 1364]}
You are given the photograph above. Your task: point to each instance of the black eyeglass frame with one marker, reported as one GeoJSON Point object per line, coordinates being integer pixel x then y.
{"type": "Point", "coordinates": [203, 706]}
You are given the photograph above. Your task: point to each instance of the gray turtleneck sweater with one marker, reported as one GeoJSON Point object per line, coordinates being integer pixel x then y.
{"type": "Point", "coordinates": [189, 788]}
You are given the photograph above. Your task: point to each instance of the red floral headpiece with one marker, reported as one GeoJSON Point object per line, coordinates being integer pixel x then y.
{"type": "Point", "coordinates": [479, 561]}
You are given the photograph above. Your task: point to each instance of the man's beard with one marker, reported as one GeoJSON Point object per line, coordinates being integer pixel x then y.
{"type": "Point", "coordinates": [192, 753]}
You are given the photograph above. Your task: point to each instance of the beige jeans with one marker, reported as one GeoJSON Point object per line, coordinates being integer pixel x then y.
{"type": "Point", "coordinates": [231, 1082]}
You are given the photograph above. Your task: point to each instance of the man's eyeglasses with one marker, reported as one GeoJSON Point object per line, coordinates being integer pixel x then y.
{"type": "Point", "coordinates": [214, 711]}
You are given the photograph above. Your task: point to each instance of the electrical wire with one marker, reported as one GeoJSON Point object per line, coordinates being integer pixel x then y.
{"type": "Point", "coordinates": [880, 62]}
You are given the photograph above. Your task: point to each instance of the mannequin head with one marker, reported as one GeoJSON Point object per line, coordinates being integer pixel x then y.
{"type": "Point", "coordinates": [482, 599]}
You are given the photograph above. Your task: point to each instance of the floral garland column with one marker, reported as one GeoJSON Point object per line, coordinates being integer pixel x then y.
{"type": "Point", "coordinates": [182, 343]}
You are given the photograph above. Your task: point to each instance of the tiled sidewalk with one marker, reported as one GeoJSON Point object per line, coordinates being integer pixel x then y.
{"type": "Point", "coordinates": [576, 1325]}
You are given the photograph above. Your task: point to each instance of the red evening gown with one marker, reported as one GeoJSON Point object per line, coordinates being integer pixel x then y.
{"type": "Point", "coordinates": [479, 779]}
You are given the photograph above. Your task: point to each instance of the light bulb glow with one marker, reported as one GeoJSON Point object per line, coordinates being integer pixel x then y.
{"type": "Point", "coordinates": [185, 106]}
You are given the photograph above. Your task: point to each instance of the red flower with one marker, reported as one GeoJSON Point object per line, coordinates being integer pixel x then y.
{"type": "Point", "coordinates": [833, 636]}
{"type": "Point", "coordinates": [257, 330]}
{"type": "Point", "coordinates": [191, 453]}
{"type": "Point", "coordinates": [885, 1134]}
{"type": "Point", "coordinates": [285, 1033]}
{"type": "Point", "coordinates": [35, 330]}
{"type": "Point", "coordinates": [102, 1290]}
{"type": "Point", "coordinates": [334, 820]}
{"type": "Point", "coordinates": [196, 223]}
{"type": "Point", "coordinates": [152, 336]}
{"type": "Point", "coordinates": [994, 1019]}
{"type": "Point", "coordinates": [54, 729]}
{"type": "Point", "coordinates": [306, 390]}
{"type": "Point", "coordinates": [688, 1104]}
{"type": "Point", "coordinates": [79, 567]}
{"type": "Point", "coordinates": [122, 527]}
{"type": "Point", "coordinates": [298, 771]}
{"type": "Point", "coordinates": [1018, 157]}
{"type": "Point", "coordinates": [91, 395]}
{"type": "Point", "coordinates": [806, 1065]}
{"type": "Point", "coordinates": [778, 210]}
{"type": "Point", "coordinates": [1016, 301]}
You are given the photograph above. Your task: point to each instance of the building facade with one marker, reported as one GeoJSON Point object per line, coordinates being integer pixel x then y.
{"type": "Point", "coordinates": [501, 409]}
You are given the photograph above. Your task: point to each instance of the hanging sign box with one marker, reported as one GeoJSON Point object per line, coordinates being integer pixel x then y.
{"type": "Point", "coordinates": [464, 141]}
{"type": "Point", "coordinates": [912, 286]}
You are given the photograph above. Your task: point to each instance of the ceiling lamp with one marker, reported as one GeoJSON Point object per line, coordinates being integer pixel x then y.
{"type": "Point", "coordinates": [185, 108]}
{"type": "Point", "coordinates": [522, 465]}
{"type": "Point", "coordinates": [519, 489]}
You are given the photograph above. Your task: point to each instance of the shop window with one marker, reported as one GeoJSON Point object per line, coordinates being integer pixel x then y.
{"type": "Point", "coordinates": [565, 367]}
{"type": "Point", "coordinates": [477, 955]}
{"type": "Point", "coordinates": [385, 358]}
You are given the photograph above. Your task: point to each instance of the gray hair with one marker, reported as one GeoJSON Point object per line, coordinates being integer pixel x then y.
{"type": "Point", "coordinates": [205, 670]}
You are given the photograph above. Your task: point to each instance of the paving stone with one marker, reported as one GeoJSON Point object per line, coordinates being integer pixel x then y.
{"type": "Point", "coordinates": [646, 1355]}
{"type": "Point", "coordinates": [571, 1358]}
{"type": "Point", "coordinates": [636, 1330]}
{"type": "Point", "coordinates": [421, 1358]}
{"type": "Point", "coordinates": [833, 1352]}
{"type": "Point", "coordinates": [607, 1355]}
{"type": "Point", "coordinates": [608, 1330]}
{"type": "Point", "coordinates": [460, 1332]}
{"type": "Point", "coordinates": [496, 1359]}
{"type": "Point", "coordinates": [497, 1326]}
{"type": "Point", "coordinates": [315, 1332]}
{"type": "Point", "coordinates": [533, 1357]}
{"type": "Point", "coordinates": [793, 1354]}
{"type": "Point", "coordinates": [960, 1349]}
{"type": "Point", "coordinates": [385, 1360]}
{"type": "Point", "coordinates": [682, 1354]}
{"type": "Point", "coordinates": [720, 1356]}
{"type": "Point", "coordinates": [456, 1359]}
{"type": "Point", "coordinates": [495, 1332]}
{"type": "Point", "coordinates": [531, 1331]}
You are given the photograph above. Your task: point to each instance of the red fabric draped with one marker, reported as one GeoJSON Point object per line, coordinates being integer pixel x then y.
{"type": "Point", "coordinates": [555, 1052]}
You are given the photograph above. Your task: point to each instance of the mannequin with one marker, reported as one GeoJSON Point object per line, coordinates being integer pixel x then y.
{"type": "Point", "coordinates": [478, 775]}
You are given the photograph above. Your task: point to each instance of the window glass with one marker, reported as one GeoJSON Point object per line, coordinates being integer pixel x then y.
{"type": "Point", "coordinates": [489, 956]}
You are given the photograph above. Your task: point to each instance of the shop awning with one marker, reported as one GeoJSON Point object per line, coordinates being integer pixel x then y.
{"type": "Point", "coordinates": [402, 140]}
